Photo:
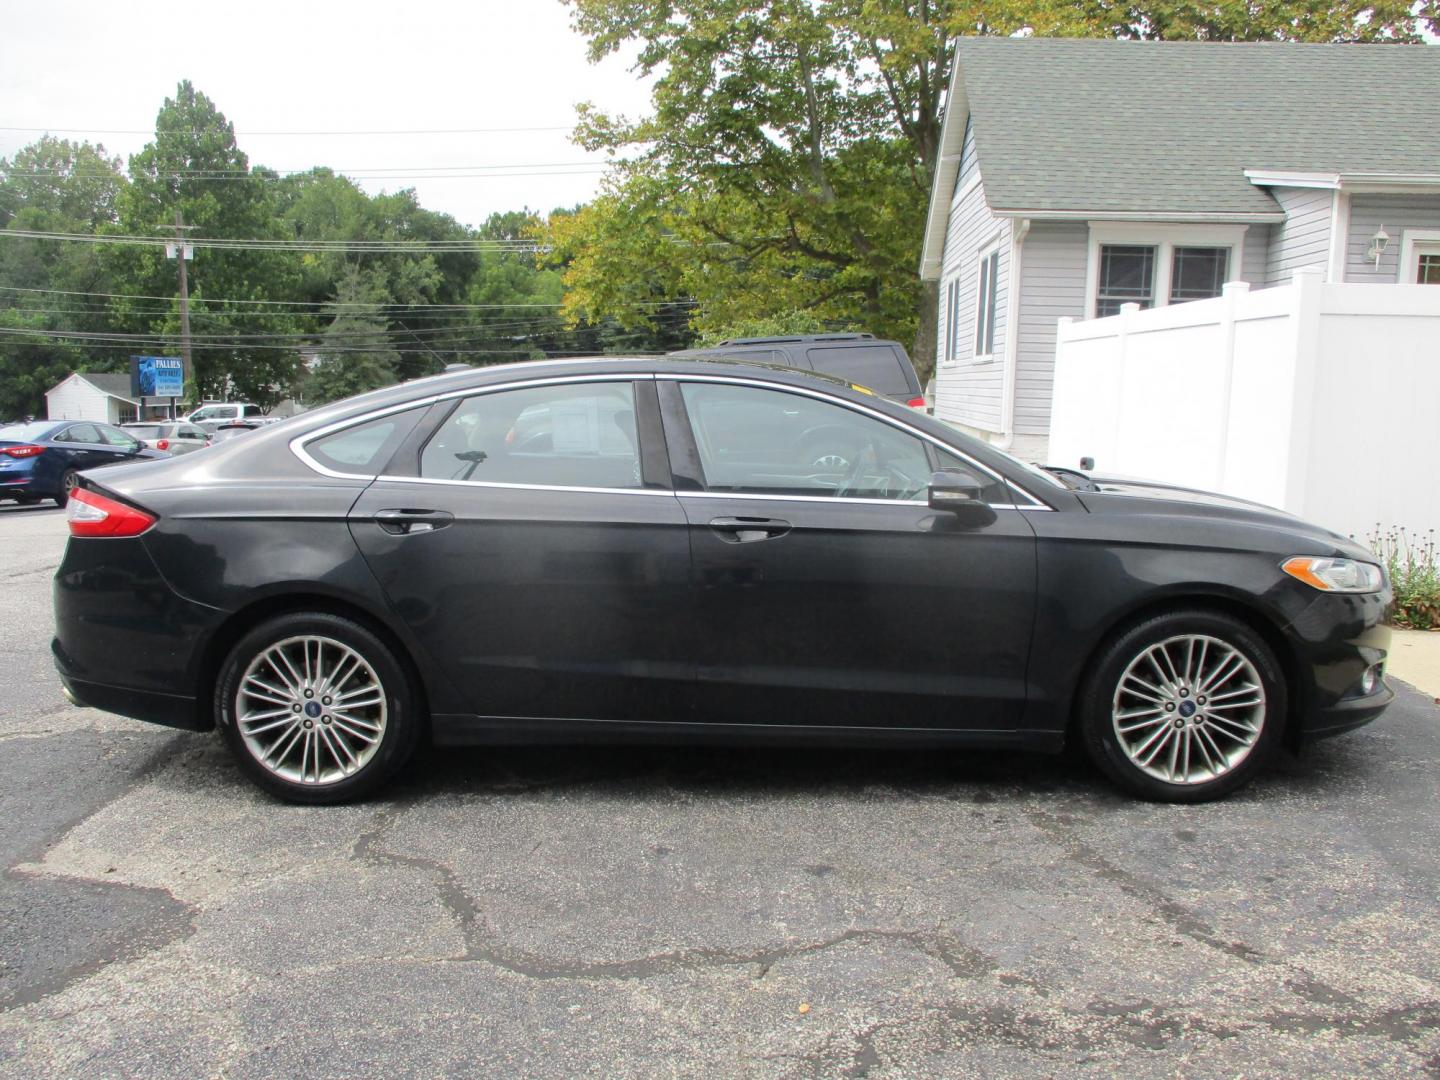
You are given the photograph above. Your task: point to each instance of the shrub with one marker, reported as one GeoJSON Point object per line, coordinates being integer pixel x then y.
{"type": "Point", "coordinates": [1410, 563]}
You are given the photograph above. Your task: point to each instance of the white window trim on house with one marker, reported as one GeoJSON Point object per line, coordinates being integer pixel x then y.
{"type": "Point", "coordinates": [985, 254]}
{"type": "Point", "coordinates": [1165, 238]}
{"type": "Point", "coordinates": [950, 341]}
{"type": "Point", "coordinates": [1413, 244]}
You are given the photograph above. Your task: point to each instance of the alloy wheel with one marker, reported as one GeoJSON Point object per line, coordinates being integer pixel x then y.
{"type": "Point", "coordinates": [1189, 709]}
{"type": "Point", "coordinates": [311, 710]}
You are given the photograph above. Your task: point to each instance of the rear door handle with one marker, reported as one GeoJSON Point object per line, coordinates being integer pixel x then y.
{"type": "Point", "coordinates": [407, 521]}
{"type": "Point", "coordinates": [747, 530]}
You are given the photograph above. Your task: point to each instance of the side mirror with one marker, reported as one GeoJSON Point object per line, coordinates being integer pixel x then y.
{"type": "Point", "coordinates": [962, 494]}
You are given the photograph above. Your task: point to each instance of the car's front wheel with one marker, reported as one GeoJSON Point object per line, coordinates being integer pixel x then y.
{"type": "Point", "coordinates": [317, 708]}
{"type": "Point", "coordinates": [1183, 707]}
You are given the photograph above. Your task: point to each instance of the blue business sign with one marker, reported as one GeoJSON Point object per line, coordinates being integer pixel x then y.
{"type": "Point", "coordinates": [157, 376]}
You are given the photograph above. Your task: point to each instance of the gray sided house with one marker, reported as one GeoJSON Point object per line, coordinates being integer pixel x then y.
{"type": "Point", "coordinates": [1079, 175]}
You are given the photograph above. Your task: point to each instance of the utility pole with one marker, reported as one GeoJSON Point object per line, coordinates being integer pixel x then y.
{"type": "Point", "coordinates": [183, 252]}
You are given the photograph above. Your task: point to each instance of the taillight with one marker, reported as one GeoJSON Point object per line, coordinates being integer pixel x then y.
{"type": "Point", "coordinates": [162, 444]}
{"type": "Point", "coordinates": [916, 403]}
{"type": "Point", "coordinates": [92, 514]}
{"type": "Point", "coordinates": [27, 450]}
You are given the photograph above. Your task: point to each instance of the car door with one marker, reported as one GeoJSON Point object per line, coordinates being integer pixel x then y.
{"type": "Point", "coordinates": [83, 447]}
{"type": "Point", "coordinates": [530, 539]}
{"type": "Point", "coordinates": [828, 592]}
{"type": "Point", "coordinates": [119, 445]}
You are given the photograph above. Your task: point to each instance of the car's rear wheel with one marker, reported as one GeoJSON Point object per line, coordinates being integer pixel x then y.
{"type": "Point", "coordinates": [317, 708]}
{"type": "Point", "coordinates": [68, 483]}
{"type": "Point", "coordinates": [1184, 707]}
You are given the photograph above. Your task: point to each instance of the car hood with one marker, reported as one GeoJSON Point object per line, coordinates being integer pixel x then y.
{"type": "Point", "coordinates": [1133, 496]}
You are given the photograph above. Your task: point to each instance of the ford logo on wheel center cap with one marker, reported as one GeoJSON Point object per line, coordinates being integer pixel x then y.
{"type": "Point", "coordinates": [312, 709]}
{"type": "Point", "coordinates": [1187, 708]}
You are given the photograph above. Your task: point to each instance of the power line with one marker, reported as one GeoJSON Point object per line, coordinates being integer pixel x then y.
{"type": "Point", "coordinates": [226, 244]}
{"type": "Point", "coordinates": [364, 306]}
{"type": "Point", "coordinates": [249, 172]}
{"type": "Point", "coordinates": [307, 175]}
{"type": "Point", "coordinates": [239, 134]}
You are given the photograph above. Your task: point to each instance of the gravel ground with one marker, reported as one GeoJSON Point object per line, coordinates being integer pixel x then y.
{"type": "Point", "coordinates": [693, 912]}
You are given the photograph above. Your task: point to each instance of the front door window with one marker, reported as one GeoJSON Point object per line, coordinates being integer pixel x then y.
{"type": "Point", "coordinates": [1428, 270]}
{"type": "Point", "coordinates": [769, 442]}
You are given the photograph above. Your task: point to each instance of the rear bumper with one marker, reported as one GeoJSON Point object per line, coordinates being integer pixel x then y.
{"type": "Point", "coordinates": [125, 641]}
{"type": "Point", "coordinates": [171, 710]}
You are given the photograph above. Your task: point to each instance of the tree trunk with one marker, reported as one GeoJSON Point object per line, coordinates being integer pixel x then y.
{"type": "Point", "coordinates": [923, 352]}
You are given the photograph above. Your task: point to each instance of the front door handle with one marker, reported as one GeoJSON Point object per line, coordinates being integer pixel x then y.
{"type": "Point", "coordinates": [406, 521]}
{"type": "Point", "coordinates": [747, 530]}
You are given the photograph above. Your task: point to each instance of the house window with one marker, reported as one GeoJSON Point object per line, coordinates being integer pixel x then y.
{"type": "Point", "coordinates": [1157, 263]}
{"type": "Point", "coordinates": [952, 320]}
{"type": "Point", "coordinates": [1127, 276]}
{"type": "Point", "coordinates": [1428, 270]}
{"type": "Point", "coordinates": [987, 307]}
{"type": "Point", "coordinates": [1198, 273]}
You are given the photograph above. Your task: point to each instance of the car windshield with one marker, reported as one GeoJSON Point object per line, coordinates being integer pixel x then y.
{"type": "Point", "coordinates": [1036, 471]}
{"type": "Point", "coordinates": [25, 432]}
{"type": "Point", "coordinates": [146, 431]}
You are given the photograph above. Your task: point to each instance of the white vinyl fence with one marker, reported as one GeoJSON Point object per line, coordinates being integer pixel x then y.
{"type": "Point", "coordinates": [1323, 400]}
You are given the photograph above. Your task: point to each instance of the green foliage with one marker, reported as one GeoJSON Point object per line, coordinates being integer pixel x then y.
{"type": "Point", "coordinates": [355, 353]}
{"type": "Point", "coordinates": [782, 325]}
{"type": "Point", "coordinates": [195, 170]}
{"type": "Point", "coordinates": [1413, 569]}
{"type": "Point", "coordinates": [787, 161]}
{"type": "Point", "coordinates": [52, 185]}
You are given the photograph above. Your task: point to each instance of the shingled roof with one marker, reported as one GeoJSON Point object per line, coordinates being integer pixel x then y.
{"type": "Point", "coordinates": [116, 385]}
{"type": "Point", "coordinates": [1143, 128]}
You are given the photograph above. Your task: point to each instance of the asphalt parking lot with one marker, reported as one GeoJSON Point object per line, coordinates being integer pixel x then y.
{"type": "Point", "coordinates": [692, 912]}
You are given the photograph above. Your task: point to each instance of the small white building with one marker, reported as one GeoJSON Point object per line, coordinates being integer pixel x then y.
{"type": "Point", "coordinates": [92, 396]}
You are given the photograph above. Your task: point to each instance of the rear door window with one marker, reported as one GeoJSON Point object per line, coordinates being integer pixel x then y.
{"type": "Point", "coordinates": [79, 433]}
{"type": "Point", "coordinates": [877, 367]}
{"type": "Point", "coordinates": [566, 435]}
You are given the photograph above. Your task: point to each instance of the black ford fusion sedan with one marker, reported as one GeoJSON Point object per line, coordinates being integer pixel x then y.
{"type": "Point", "coordinates": [696, 550]}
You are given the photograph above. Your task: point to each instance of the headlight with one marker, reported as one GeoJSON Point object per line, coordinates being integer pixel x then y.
{"type": "Point", "coordinates": [1335, 575]}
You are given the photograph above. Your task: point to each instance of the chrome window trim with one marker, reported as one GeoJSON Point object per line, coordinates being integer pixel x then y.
{"type": "Point", "coordinates": [525, 487]}
{"type": "Point", "coordinates": [298, 443]}
{"type": "Point", "coordinates": [855, 406]}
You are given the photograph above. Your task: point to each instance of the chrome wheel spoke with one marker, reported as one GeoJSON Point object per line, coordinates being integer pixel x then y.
{"type": "Point", "coordinates": [1188, 709]}
{"type": "Point", "coordinates": [296, 723]}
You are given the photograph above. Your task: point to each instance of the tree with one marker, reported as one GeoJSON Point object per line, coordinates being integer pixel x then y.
{"type": "Point", "coordinates": [786, 165]}
{"type": "Point", "coordinates": [194, 168]}
{"type": "Point", "coordinates": [52, 185]}
{"type": "Point", "coordinates": [355, 353]}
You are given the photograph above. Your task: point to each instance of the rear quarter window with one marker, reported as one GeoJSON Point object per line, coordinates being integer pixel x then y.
{"type": "Point", "coordinates": [364, 449]}
{"type": "Point", "coordinates": [878, 367]}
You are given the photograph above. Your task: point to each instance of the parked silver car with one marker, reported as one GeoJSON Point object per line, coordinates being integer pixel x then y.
{"type": "Point", "coordinates": [176, 436]}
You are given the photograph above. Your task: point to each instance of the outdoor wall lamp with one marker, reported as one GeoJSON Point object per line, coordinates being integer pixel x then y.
{"type": "Point", "coordinates": [1378, 243]}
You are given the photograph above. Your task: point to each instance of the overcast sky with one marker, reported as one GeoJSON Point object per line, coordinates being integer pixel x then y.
{"type": "Point", "coordinates": [324, 66]}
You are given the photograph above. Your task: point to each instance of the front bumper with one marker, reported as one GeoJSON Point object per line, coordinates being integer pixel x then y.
{"type": "Point", "coordinates": [1339, 639]}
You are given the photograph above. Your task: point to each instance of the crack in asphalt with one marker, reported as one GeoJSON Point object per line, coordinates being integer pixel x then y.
{"type": "Point", "coordinates": [1180, 918]}
{"type": "Point", "coordinates": [962, 961]}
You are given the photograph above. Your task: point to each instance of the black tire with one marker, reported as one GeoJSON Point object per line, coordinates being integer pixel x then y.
{"type": "Point", "coordinates": [402, 719]}
{"type": "Point", "coordinates": [67, 481]}
{"type": "Point", "coordinates": [1101, 698]}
